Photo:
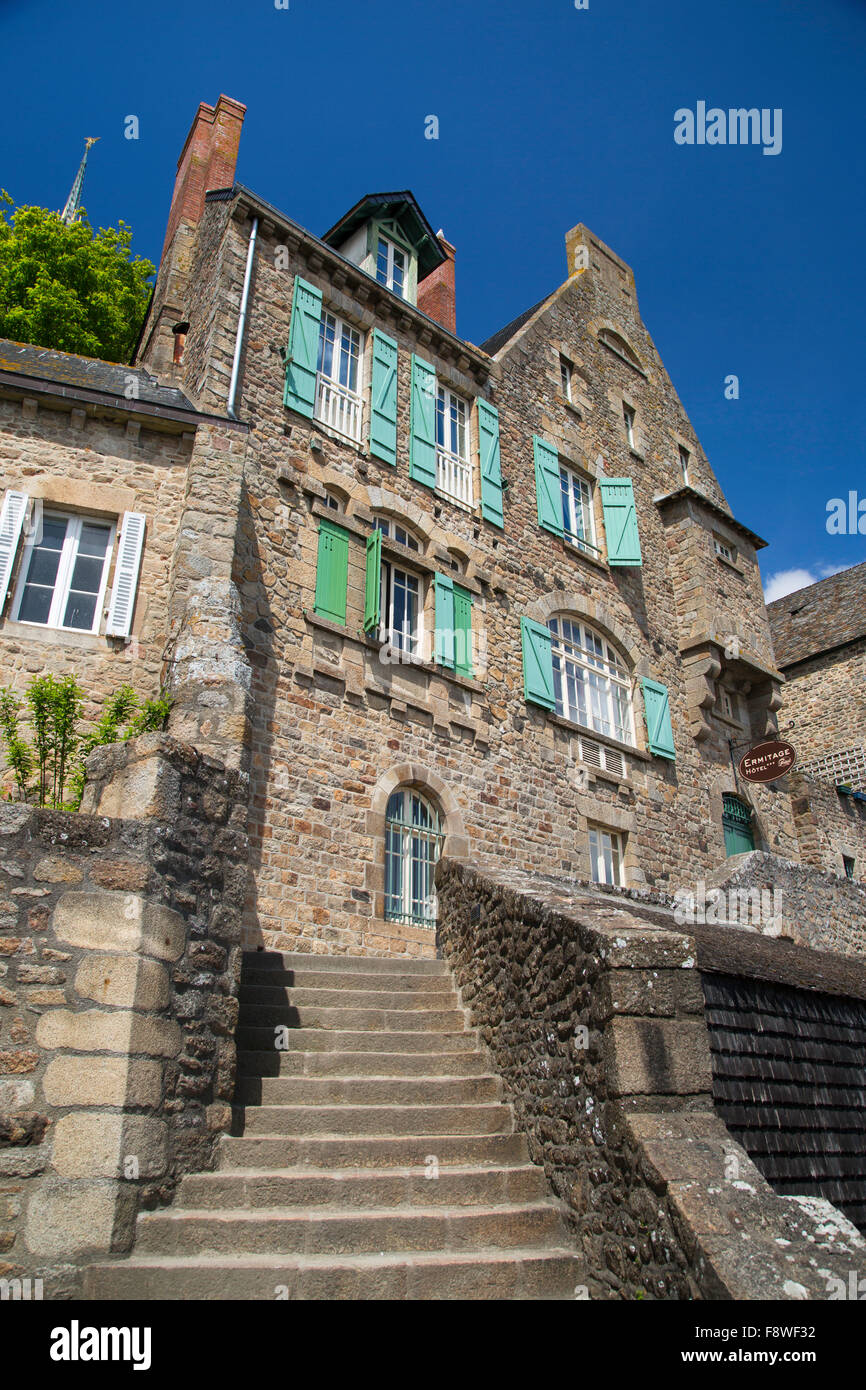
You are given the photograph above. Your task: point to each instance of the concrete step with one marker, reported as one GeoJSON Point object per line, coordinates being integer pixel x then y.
{"type": "Point", "coordinates": [380, 965]}
{"type": "Point", "coordinates": [470, 1185]}
{"type": "Point", "coordinates": [348, 980]}
{"type": "Point", "coordinates": [266, 996]}
{"type": "Point", "coordinates": [380, 1020]}
{"type": "Point", "coordinates": [325, 1231]}
{"type": "Point", "coordinates": [340, 1120]}
{"type": "Point", "coordinates": [518, 1274]}
{"type": "Point", "coordinates": [344, 1040]}
{"type": "Point", "coordinates": [397, 1064]}
{"type": "Point", "coordinates": [367, 1090]}
{"type": "Point", "coordinates": [369, 1151]}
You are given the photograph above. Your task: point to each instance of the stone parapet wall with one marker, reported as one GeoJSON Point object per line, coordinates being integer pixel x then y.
{"type": "Point", "coordinates": [829, 825]}
{"type": "Point", "coordinates": [119, 969]}
{"type": "Point", "coordinates": [815, 907]}
{"type": "Point", "coordinates": [594, 1018]}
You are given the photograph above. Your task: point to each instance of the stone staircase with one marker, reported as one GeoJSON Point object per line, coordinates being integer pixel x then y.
{"type": "Point", "coordinates": [375, 1158]}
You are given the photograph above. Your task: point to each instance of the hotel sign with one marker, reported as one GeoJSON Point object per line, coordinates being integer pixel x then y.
{"type": "Point", "coordinates": [767, 761]}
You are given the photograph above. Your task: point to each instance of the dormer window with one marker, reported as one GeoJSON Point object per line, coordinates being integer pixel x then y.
{"type": "Point", "coordinates": [391, 266]}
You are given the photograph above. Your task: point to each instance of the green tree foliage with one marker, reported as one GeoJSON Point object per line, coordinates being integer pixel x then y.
{"type": "Point", "coordinates": [50, 770]}
{"type": "Point", "coordinates": [66, 288]}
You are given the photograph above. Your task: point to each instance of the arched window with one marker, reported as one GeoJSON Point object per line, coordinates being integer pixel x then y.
{"type": "Point", "coordinates": [737, 825]}
{"type": "Point", "coordinates": [590, 680]}
{"type": "Point", "coordinates": [618, 344]}
{"type": "Point", "coordinates": [413, 842]}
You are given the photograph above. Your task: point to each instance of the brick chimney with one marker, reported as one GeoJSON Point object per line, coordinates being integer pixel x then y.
{"type": "Point", "coordinates": [436, 291]}
{"type": "Point", "coordinates": [207, 161]}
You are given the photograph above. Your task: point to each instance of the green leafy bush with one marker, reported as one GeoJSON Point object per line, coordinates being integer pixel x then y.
{"type": "Point", "coordinates": [49, 769]}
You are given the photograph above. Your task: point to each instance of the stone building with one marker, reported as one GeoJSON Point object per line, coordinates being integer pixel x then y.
{"type": "Point", "coordinates": [483, 601]}
{"type": "Point", "coordinates": [819, 637]}
{"type": "Point", "coordinates": [415, 599]}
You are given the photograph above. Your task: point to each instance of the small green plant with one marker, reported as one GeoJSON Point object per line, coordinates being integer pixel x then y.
{"type": "Point", "coordinates": [50, 770]}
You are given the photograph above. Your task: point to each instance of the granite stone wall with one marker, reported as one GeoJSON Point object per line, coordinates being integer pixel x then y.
{"type": "Point", "coordinates": [594, 1018]}
{"type": "Point", "coordinates": [119, 968]}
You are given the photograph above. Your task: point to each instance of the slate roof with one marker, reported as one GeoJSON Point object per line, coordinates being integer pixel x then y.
{"type": "Point", "coordinates": [492, 345]}
{"type": "Point", "coordinates": [68, 369]}
{"type": "Point", "coordinates": [789, 1081]}
{"type": "Point", "coordinates": [822, 616]}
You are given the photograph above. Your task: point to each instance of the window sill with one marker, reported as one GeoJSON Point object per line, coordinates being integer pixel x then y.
{"type": "Point", "coordinates": [572, 406]}
{"type": "Point", "coordinates": [58, 636]}
{"type": "Point", "coordinates": [572, 549]}
{"type": "Point", "coordinates": [730, 565]}
{"type": "Point", "coordinates": [455, 501]}
{"type": "Point", "coordinates": [627, 749]}
{"type": "Point", "coordinates": [431, 668]}
{"type": "Point", "coordinates": [319, 427]}
{"type": "Point", "coordinates": [373, 644]}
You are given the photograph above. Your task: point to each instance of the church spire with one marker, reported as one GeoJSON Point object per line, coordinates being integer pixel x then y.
{"type": "Point", "coordinates": [73, 202]}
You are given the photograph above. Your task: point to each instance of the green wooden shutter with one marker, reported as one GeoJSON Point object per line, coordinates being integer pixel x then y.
{"type": "Point", "coordinates": [373, 581]}
{"type": "Point", "coordinates": [657, 708]}
{"type": "Point", "coordinates": [422, 425]}
{"type": "Point", "coordinates": [620, 521]}
{"type": "Point", "coordinates": [303, 354]}
{"type": "Point", "coordinates": [383, 411]}
{"type": "Point", "coordinates": [462, 632]}
{"type": "Point", "coordinates": [444, 650]}
{"type": "Point", "coordinates": [491, 472]}
{"type": "Point", "coordinates": [332, 572]}
{"type": "Point", "coordinates": [537, 664]}
{"type": "Point", "coordinates": [548, 492]}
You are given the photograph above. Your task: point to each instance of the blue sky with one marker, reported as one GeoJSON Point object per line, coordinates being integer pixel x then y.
{"type": "Point", "coordinates": [746, 263]}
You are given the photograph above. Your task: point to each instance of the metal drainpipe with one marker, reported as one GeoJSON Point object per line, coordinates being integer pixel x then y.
{"type": "Point", "coordinates": [242, 318]}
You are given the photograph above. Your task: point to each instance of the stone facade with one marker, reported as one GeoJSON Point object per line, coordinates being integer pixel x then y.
{"type": "Point", "coordinates": [119, 967]}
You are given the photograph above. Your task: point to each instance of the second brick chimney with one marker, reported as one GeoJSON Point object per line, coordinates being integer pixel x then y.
{"type": "Point", "coordinates": [207, 161]}
{"type": "Point", "coordinates": [436, 292]}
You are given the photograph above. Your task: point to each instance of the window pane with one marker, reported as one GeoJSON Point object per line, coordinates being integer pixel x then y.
{"type": "Point", "coordinates": [94, 539]}
{"type": "Point", "coordinates": [35, 605]}
{"type": "Point", "coordinates": [80, 611]}
{"type": "Point", "coordinates": [87, 574]}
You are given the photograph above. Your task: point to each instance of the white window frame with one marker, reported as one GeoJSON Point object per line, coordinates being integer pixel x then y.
{"type": "Point", "coordinates": [607, 856]}
{"type": "Point", "coordinates": [566, 371]}
{"type": "Point", "coordinates": [416, 844]}
{"type": "Point", "coordinates": [409, 642]}
{"type": "Point", "coordinates": [568, 478]}
{"type": "Point", "coordinates": [388, 282]}
{"type": "Point", "coordinates": [724, 550]}
{"type": "Point", "coordinates": [63, 579]}
{"type": "Point", "coordinates": [600, 674]}
{"type": "Point", "coordinates": [401, 534]}
{"type": "Point", "coordinates": [453, 467]}
{"type": "Point", "coordinates": [629, 417]}
{"type": "Point", "coordinates": [338, 406]}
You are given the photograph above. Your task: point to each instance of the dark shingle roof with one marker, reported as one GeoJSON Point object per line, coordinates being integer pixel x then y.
{"type": "Point", "coordinates": [789, 1081]}
{"type": "Point", "coordinates": [68, 369]}
{"type": "Point", "coordinates": [492, 345]}
{"type": "Point", "coordinates": [816, 619]}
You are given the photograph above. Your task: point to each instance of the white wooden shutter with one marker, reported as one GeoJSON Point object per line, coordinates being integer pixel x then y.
{"type": "Point", "coordinates": [129, 549]}
{"type": "Point", "coordinates": [11, 521]}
